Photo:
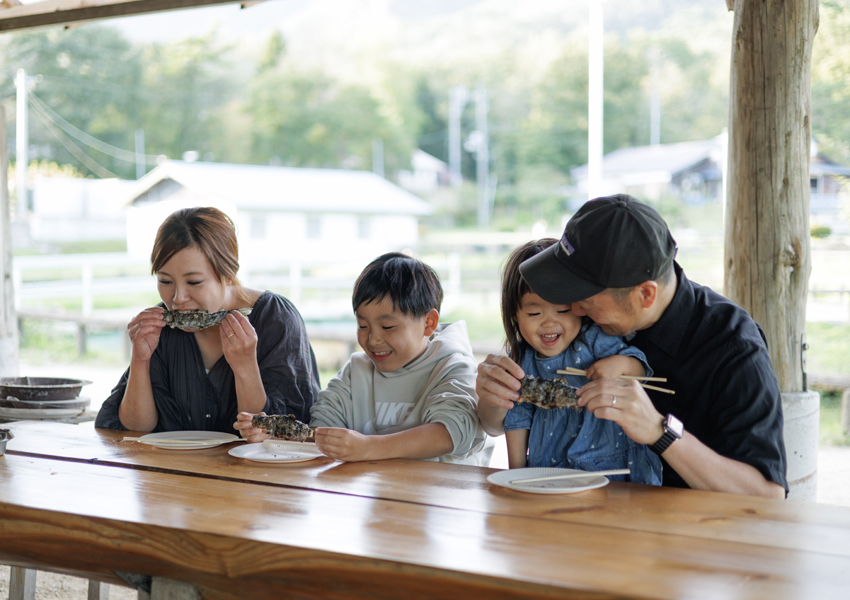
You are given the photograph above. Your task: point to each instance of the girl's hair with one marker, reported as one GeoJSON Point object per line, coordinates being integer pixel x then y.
{"type": "Point", "coordinates": [209, 230]}
{"type": "Point", "coordinates": [413, 286]}
{"type": "Point", "coordinates": [514, 288]}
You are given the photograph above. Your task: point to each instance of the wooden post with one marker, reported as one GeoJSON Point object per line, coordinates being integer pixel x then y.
{"type": "Point", "coordinates": [767, 257]}
{"type": "Point", "coordinates": [8, 322]}
{"type": "Point", "coordinates": [22, 583]}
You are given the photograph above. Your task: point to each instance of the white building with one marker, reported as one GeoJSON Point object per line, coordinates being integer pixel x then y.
{"type": "Point", "coordinates": [69, 209]}
{"type": "Point", "coordinates": [428, 175]}
{"type": "Point", "coordinates": [281, 213]}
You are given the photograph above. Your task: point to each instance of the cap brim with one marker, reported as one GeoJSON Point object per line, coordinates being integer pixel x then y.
{"type": "Point", "coordinates": [554, 282]}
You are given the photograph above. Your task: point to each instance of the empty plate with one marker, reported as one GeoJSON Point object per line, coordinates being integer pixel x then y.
{"type": "Point", "coordinates": [555, 486]}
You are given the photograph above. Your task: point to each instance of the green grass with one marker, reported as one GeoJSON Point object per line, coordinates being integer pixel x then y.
{"type": "Point", "coordinates": [829, 348]}
{"type": "Point", "coordinates": [830, 433]}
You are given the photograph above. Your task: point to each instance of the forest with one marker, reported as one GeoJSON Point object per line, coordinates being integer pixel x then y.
{"type": "Point", "coordinates": [276, 102]}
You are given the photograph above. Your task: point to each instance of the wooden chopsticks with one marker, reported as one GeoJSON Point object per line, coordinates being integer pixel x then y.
{"type": "Point", "coordinates": [173, 441]}
{"type": "Point", "coordinates": [583, 373]}
{"type": "Point", "coordinates": [572, 475]}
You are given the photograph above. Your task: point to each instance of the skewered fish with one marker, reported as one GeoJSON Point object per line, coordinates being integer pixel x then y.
{"type": "Point", "coordinates": [548, 393]}
{"type": "Point", "coordinates": [197, 319]}
{"type": "Point", "coordinates": [284, 427]}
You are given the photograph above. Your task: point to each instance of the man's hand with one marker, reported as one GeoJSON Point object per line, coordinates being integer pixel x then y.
{"type": "Point", "coordinates": [626, 403]}
{"type": "Point", "coordinates": [497, 386]}
{"type": "Point", "coordinates": [498, 381]}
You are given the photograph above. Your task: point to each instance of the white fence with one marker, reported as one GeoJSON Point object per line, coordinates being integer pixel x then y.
{"type": "Point", "coordinates": [76, 276]}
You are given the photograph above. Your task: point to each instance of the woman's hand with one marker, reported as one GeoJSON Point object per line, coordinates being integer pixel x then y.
{"type": "Point", "coordinates": [247, 430]}
{"type": "Point", "coordinates": [144, 332]}
{"type": "Point", "coordinates": [239, 343]}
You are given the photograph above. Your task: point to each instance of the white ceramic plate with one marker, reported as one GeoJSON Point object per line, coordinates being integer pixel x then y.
{"type": "Point", "coordinates": [557, 486]}
{"type": "Point", "coordinates": [187, 440]}
{"type": "Point", "coordinates": [299, 452]}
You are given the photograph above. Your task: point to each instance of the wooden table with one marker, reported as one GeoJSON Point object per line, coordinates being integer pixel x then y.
{"type": "Point", "coordinates": [79, 500]}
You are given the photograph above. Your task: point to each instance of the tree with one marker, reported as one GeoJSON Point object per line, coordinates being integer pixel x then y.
{"type": "Point", "coordinates": [309, 120]}
{"type": "Point", "coordinates": [89, 76]}
{"type": "Point", "coordinates": [831, 81]}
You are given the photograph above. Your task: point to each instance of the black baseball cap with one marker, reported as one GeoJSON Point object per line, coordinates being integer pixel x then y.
{"type": "Point", "coordinates": [611, 242]}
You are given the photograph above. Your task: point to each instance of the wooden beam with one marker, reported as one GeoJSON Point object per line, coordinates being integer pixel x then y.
{"type": "Point", "coordinates": [64, 12]}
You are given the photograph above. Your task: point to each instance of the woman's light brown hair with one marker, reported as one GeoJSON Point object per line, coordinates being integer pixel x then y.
{"type": "Point", "coordinates": [205, 228]}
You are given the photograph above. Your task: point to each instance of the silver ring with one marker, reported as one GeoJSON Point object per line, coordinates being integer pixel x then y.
{"type": "Point", "coordinates": [614, 401]}
{"type": "Point", "coordinates": [229, 335]}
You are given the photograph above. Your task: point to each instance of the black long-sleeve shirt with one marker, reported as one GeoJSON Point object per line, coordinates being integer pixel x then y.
{"type": "Point", "coordinates": [715, 357]}
{"type": "Point", "coordinates": [189, 398]}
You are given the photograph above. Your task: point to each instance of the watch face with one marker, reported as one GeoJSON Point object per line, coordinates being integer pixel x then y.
{"type": "Point", "coordinates": [675, 425]}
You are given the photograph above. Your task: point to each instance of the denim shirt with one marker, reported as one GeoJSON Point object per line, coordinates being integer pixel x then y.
{"type": "Point", "coordinates": [562, 437]}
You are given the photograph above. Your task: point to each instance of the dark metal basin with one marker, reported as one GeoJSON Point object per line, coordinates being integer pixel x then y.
{"type": "Point", "coordinates": [41, 388]}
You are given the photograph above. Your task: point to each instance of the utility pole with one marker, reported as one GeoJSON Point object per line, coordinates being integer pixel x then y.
{"type": "Point", "coordinates": [21, 142]}
{"type": "Point", "coordinates": [378, 156]}
{"type": "Point", "coordinates": [482, 156]}
{"type": "Point", "coordinates": [140, 153]}
{"type": "Point", "coordinates": [8, 320]}
{"type": "Point", "coordinates": [654, 98]}
{"type": "Point", "coordinates": [595, 38]}
{"type": "Point", "coordinates": [458, 97]}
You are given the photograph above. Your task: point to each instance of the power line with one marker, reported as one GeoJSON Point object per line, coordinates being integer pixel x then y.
{"type": "Point", "coordinates": [71, 147]}
{"type": "Point", "coordinates": [89, 140]}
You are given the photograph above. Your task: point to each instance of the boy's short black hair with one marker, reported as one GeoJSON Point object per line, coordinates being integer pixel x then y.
{"type": "Point", "coordinates": [413, 286]}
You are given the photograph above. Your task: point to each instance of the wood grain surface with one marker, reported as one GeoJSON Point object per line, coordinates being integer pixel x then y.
{"type": "Point", "coordinates": [78, 499]}
{"type": "Point", "coordinates": [708, 515]}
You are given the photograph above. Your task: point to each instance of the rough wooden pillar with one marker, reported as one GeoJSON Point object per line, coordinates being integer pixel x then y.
{"type": "Point", "coordinates": [767, 249]}
{"type": "Point", "coordinates": [22, 583]}
{"type": "Point", "coordinates": [8, 322]}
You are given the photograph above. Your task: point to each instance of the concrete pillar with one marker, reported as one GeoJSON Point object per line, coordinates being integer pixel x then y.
{"type": "Point", "coordinates": [802, 413]}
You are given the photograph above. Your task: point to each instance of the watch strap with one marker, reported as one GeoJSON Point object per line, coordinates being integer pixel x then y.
{"type": "Point", "coordinates": [667, 438]}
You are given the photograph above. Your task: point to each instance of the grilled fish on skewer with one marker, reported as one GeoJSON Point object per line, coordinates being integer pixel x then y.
{"type": "Point", "coordinates": [548, 393]}
{"type": "Point", "coordinates": [284, 427]}
{"type": "Point", "coordinates": [197, 319]}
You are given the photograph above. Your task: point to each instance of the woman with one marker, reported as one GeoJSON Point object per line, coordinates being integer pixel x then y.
{"type": "Point", "coordinates": [201, 379]}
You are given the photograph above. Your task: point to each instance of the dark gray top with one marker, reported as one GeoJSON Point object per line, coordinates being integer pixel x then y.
{"type": "Point", "coordinates": [186, 397]}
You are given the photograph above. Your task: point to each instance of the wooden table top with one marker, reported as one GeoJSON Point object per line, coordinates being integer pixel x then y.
{"type": "Point", "coordinates": [394, 528]}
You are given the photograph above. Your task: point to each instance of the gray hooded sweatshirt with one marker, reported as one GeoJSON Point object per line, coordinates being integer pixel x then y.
{"type": "Point", "coordinates": [437, 387]}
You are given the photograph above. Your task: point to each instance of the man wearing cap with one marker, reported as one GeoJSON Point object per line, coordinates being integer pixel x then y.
{"type": "Point", "coordinates": [722, 430]}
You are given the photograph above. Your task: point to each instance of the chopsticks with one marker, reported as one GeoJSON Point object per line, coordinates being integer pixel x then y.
{"type": "Point", "coordinates": [583, 373]}
{"type": "Point", "coordinates": [572, 475]}
{"type": "Point", "coordinates": [181, 442]}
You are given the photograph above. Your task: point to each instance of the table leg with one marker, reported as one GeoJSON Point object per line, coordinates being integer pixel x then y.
{"type": "Point", "coordinates": [22, 584]}
{"type": "Point", "coordinates": [98, 590]}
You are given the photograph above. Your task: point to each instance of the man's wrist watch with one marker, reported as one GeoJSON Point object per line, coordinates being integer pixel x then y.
{"type": "Point", "coordinates": [673, 430]}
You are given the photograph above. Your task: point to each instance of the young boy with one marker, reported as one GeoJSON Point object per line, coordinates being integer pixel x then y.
{"type": "Point", "coordinates": [411, 392]}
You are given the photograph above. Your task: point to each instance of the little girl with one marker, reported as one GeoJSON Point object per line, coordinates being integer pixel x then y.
{"type": "Point", "coordinates": [543, 338]}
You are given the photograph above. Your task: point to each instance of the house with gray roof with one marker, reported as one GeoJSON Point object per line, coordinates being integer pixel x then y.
{"type": "Point", "coordinates": [693, 173]}
{"type": "Point", "coordinates": [282, 213]}
{"type": "Point", "coordinates": [690, 171]}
